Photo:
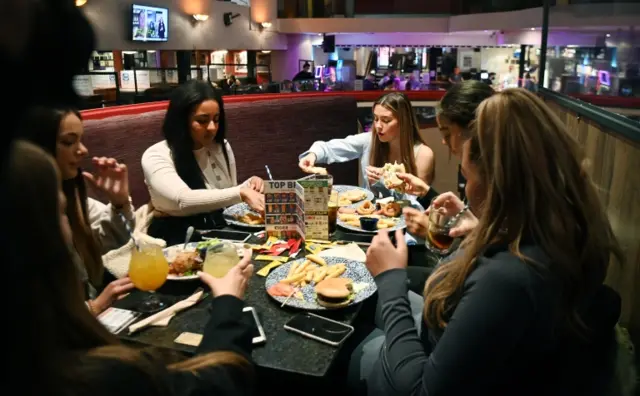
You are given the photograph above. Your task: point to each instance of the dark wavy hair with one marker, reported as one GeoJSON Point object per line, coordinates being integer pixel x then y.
{"type": "Point", "coordinates": [42, 127]}
{"type": "Point", "coordinates": [460, 102]}
{"type": "Point", "coordinates": [177, 129]}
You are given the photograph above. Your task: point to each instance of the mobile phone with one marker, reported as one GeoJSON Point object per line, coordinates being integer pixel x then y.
{"type": "Point", "coordinates": [319, 328]}
{"type": "Point", "coordinates": [257, 331]}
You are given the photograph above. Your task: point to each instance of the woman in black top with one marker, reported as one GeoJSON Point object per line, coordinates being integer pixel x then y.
{"type": "Point", "coordinates": [69, 351]}
{"type": "Point", "coordinates": [454, 114]}
{"type": "Point", "coordinates": [521, 309]}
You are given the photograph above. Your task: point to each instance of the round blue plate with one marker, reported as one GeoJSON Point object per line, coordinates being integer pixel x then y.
{"type": "Point", "coordinates": [356, 271]}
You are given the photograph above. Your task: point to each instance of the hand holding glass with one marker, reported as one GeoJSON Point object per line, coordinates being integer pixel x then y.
{"type": "Point", "coordinates": [148, 270]}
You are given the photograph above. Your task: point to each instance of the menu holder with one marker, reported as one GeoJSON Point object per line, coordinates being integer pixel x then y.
{"type": "Point", "coordinates": [297, 209]}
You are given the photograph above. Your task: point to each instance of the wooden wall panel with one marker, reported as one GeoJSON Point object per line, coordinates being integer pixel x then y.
{"type": "Point", "coordinates": [615, 169]}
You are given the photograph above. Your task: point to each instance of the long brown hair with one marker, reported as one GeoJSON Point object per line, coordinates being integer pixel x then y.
{"type": "Point", "coordinates": [536, 188]}
{"type": "Point", "coordinates": [42, 128]}
{"type": "Point", "coordinates": [61, 333]}
{"type": "Point", "coordinates": [401, 108]}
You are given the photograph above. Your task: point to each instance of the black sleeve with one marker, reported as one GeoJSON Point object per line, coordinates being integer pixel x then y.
{"type": "Point", "coordinates": [482, 333]}
{"type": "Point", "coordinates": [226, 331]}
{"type": "Point", "coordinates": [426, 200]}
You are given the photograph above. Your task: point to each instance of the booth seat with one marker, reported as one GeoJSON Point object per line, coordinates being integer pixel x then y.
{"type": "Point", "coordinates": [263, 130]}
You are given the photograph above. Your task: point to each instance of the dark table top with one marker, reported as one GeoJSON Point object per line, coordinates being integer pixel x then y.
{"type": "Point", "coordinates": [283, 350]}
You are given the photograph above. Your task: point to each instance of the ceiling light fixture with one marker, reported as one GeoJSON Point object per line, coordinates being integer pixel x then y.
{"type": "Point", "coordinates": [533, 28]}
{"type": "Point", "coordinates": [266, 51]}
{"type": "Point", "coordinates": [266, 25]}
{"type": "Point", "coordinates": [200, 17]}
{"type": "Point", "coordinates": [80, 3]}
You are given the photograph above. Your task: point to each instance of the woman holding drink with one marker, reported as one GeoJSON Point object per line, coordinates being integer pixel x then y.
{"type": "Point", "coordinates": [522, 309]}
{"type": "Point", "coordinates": [74, 354]}
{"type": "Point", "coordinates": [395, 138]}
{"type": "Point", "coordinates": [455, 113]}
{"type": "Point", "coordinates": [96, 228]}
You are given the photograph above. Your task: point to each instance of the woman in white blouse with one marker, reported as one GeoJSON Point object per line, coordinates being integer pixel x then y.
{"type": "Point", "coordinates": [97, 228]}
{"type": "Point", "coordinates": [191, 175]}
{"type": "Point", "coordinates": [395, 138]}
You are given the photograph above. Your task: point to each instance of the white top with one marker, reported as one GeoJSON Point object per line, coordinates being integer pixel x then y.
{"type": "Point", "coordinates": [108, 228]}
{"type": "Point", "coordinates": [171, 195]}
{"type": "Point", "coordinates": [350, 148]}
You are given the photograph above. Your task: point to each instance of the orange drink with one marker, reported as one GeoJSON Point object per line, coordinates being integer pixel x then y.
{"type": "Point", "coordinates": [148, 268]}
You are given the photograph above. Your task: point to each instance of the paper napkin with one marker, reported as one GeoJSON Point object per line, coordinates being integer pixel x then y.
{"type": "Point", "coordinates": [163, 318]}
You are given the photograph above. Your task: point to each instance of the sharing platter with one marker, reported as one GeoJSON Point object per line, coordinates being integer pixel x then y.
{"type": "Point", "coordinates": [389, 216]}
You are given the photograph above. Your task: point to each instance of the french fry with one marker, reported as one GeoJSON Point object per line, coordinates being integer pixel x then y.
{"type": "Point", "coordinates": [292, 269]}
{"type": "Point", "coordinates": [302, 267]}
{"type": "Point", "coordinates": [320, 274]}
{"type": "Point", "coordinates": [336, 270]}
{"type": "Point", "coordinates": [303, 284]}
{"type": "Point", "coordinates": [317, 259]}
{"type": "Point", "coordinates": [309, 276]}
{"type": "Point", "coordinates": [292, 279]}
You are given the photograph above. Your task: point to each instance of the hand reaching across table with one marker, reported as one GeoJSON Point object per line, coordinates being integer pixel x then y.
{"type": "Point", "coordinates": [417, 222]}
{"type": "Point", "coordinates": [307, 162]}
{"type": "Point", "coordinates": [254, 199]}
{"type": "Point", "coordinates": [256, 184]}
{"type": "Point", "coordinates": [414, 185]}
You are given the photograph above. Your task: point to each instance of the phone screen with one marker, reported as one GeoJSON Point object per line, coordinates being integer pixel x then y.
{"type": "Point", "coordinates": [320, 327]}
{"type": "Point", "coordinates": [249, 318]}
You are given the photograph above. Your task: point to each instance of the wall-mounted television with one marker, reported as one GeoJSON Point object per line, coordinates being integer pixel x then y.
{"type": "Point", "coordinates": [149, 23]}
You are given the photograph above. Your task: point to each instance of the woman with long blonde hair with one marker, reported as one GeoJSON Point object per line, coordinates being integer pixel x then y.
{"type": "Point", "coordinates": [70, 352]}
{"type": "Point", "coordinates": [395, 138]}
{"type": "Point", "coordinates": [521, 309]}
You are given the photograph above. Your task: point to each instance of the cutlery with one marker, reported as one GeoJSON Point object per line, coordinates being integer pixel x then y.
{"type": "Point", "coordinates": [187, 238]}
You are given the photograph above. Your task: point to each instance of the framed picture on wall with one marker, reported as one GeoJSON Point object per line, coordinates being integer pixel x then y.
{"type": "Point", "coordinates": [301, 63]}
{"type": "Point", "coordinates": [240, 59]}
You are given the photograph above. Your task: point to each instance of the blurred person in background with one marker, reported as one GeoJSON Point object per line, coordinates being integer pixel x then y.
{"type": "Point", "coordinates": [29, 32]}
{"type": "Point", "coordinates": [304, 74]}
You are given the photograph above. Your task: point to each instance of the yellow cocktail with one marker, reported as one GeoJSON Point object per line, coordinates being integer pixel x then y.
{"type": "Point", "coordinates": [148, 270]}
{"type": "Point", "coordinates": [220, 259]}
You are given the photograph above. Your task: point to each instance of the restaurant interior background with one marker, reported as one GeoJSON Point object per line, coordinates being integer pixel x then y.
{"type": "Point", "coordinates": [581, 56]}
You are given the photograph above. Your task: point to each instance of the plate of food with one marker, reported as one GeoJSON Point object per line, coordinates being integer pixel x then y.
{"type": "Point", "coordinates": [241, 215]}
{"type": "Point", "coordinates": [348, 195]}
{"type": "Point", "coordinates": [320, 283]}
{"type": "Point", "coordinates": [184, 263]}
{"type": "Point", "coordinates": [370, 217]}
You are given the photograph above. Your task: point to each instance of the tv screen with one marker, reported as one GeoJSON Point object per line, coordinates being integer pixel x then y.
{"type": "Point", "coordinates": [149, 23]}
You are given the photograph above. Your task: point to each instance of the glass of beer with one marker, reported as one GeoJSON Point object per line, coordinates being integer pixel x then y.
{"type": "Point", "coordinates": [438, 239]}
{"type": "Point", "coordinates": [148, 270]}
{"type": "Point", "coordinates": [220, 259]}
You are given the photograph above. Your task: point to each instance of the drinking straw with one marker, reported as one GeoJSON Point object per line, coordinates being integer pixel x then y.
{"type": "Point", "coordinates": [127, 225]}
{"type": "Point", "coordinates": [268, 172]}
